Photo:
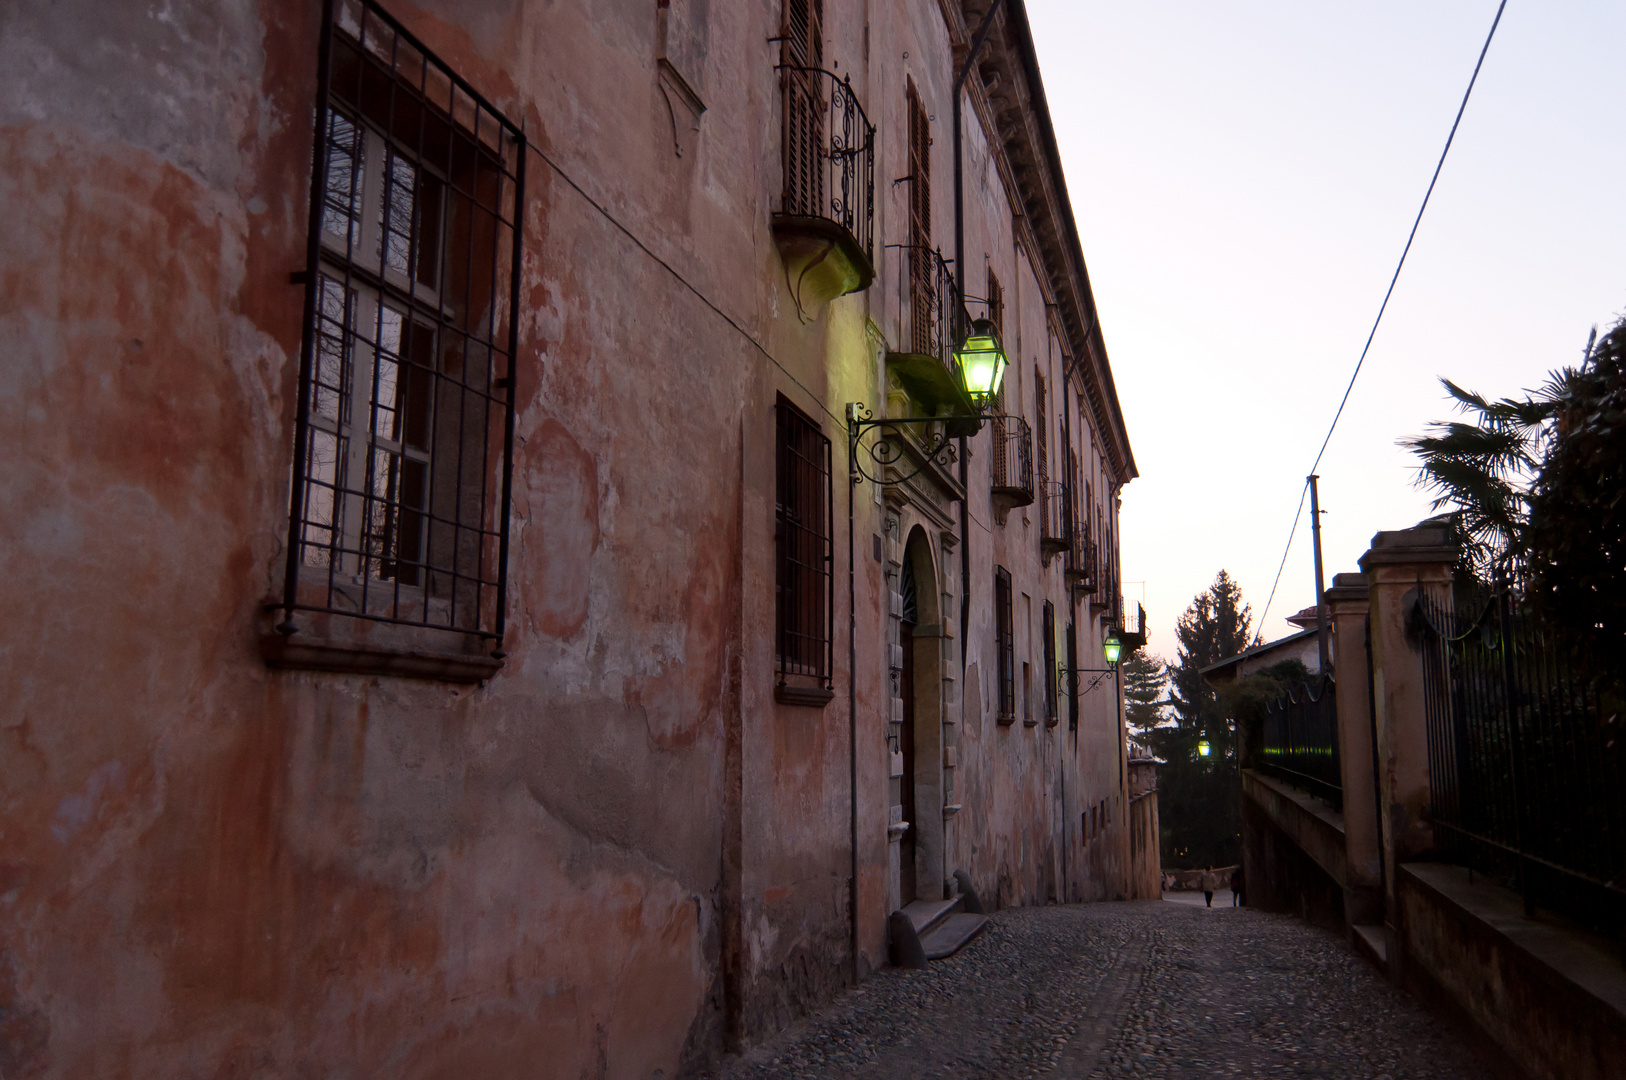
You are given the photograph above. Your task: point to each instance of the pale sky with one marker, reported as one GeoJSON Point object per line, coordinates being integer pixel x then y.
{"type": "Point", "coordinates": [1244, 175]}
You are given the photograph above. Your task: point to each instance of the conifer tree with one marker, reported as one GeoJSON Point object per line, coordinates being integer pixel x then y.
{"type": "Point", "coordinates": [1146, 681]}
{"type": "Point", "coordinates": [1197, 792]}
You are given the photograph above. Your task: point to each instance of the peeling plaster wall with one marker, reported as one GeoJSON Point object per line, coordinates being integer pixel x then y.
{"type": "Point", "coordinates": [620, 854]}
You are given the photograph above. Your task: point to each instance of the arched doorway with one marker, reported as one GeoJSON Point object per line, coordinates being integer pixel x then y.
{"type": "Point", "coordinates": [920, 738]}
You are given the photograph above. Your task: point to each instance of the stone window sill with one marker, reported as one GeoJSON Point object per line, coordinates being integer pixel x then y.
{"type": "Point", "coordinates": [304, 652]}
{"type": "Point", "coordinates": [812, 697]}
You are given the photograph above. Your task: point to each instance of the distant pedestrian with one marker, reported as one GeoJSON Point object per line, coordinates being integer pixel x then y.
{"type": "Point", "coordinates": [1210, 882]}
{"type": "Point", "coordinates": [1236, 886]}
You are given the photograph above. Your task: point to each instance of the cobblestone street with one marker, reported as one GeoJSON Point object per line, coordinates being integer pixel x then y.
{"type": "Point", "coordinates": [1146, 989]}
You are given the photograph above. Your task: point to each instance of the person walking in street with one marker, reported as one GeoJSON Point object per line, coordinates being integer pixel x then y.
{"type": "Point", "coordinates": [1236, 886]}
{"type": "Point", "coordinates": [1210, 882]}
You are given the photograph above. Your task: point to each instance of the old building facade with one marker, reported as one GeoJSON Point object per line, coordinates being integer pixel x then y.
{"type": "Point", "coordinates": [453, 632]}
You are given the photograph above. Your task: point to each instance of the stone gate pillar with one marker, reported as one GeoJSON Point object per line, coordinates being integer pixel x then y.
{"type": "Point", "coordinates": [1398, 566]}
{"type": "Point", "coordinates": [1348, 605]}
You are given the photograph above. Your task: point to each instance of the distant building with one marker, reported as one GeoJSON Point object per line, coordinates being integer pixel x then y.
{"type": "Point", "coordinates": [1300, 646]}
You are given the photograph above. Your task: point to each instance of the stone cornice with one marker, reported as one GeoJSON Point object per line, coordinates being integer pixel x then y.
{"type": "Point", "coordinates": [1008, 99]}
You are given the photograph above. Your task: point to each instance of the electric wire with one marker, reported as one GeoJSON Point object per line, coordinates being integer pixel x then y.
{"type": "Point", "coordinates": [1299, 513]}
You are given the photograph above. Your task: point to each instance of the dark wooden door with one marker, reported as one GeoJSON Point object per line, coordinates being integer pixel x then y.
{"type": "Point", "coordinates": [906, 785]}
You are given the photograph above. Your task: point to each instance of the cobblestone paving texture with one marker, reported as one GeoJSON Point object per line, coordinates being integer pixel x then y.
{"type": "Point", "coordinates": [1142, 989]}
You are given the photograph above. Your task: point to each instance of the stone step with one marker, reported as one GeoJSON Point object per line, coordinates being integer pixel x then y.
{"type": "Point", "coordinates": [1374, 942]}
{"type": "Point", "coordinates": [949, 934]}
{"type": "Point", "coordinates": [925, 914]}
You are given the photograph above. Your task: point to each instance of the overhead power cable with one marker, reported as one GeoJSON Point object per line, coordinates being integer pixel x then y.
{"type": "Point", "coordinates": [1384, 306]}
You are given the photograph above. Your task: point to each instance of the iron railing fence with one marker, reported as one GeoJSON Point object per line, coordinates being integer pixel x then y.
{"type": "Point", "coordinates": [1055, 517]}
{"type": "Point", "coordinates": [1300, 743]}
{"type": "Point", "coordinates": [1011, 470]}
{"type": "Point", "coordinates": [1526, 764]}
{"type": "Point", "coordinates": [1083, 569]}
{"type": "Point", "coordinates": [930, 311]}
{"type": "Point", "coordinates": [829, 153]}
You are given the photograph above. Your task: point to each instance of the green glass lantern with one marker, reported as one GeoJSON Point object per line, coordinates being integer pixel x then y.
{"type": "Point", "coordinates": [982, 363]}
{"type": "Point", "coordinates": [1203, 748]}
{"type": "Point", "coordinates": [1113, 648]}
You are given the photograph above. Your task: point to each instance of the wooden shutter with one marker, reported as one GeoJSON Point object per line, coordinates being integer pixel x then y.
{"type": "Point", "coordinates": [922, 284]}
{"type": "Point", "coordinates": [801, 55]}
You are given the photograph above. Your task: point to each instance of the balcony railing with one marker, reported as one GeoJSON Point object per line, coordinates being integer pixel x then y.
{"type": "Point", "coordinates": [829, 158]}
{"type": "Point", "coordinates": [1083, 571]}
{"type": "Point", "coordinates": [1105, 597]}
{"type": "Point", "coordinates": [1011, 470]}
{"type": "Point", "coordinates": [1055, 518]}
{"type": "Point", "coordinates": [930, 312]}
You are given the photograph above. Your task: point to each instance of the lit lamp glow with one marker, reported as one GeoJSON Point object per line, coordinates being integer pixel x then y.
{"type": "Point", "coordinates": [982, 363]}
{"type": "Point", "coordinates": [1113, 648]}
{"type": "Point", "coordinates": [1203, 749]}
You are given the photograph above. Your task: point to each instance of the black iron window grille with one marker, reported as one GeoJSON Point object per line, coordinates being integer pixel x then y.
{"type": "Point", "coordinates": [404, 429]}
{"type": "Point", "coordinates": [1005, 645]}
{"type": "Point", "coordinates": [1072, 684]}
{"type": "Point", "coordinates": [804, 577]}
{"type": "Point", "coordinates": [829, 143]}
{"type": "Point", "coordinates": [1052, 715]}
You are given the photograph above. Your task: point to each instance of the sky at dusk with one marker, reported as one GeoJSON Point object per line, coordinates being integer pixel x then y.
{"type": "Point", "coordinates": [1244, 175]}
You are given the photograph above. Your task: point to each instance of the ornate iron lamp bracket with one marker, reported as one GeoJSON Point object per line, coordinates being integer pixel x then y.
{"type": "Point", "coordinates": [1067, 679]}
{"type": "Point", "coordinates": [887, 452]}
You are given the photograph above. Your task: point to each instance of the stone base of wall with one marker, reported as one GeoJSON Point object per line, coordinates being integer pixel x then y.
{"type": "Point", "coordinates": [1292, 852]}
{"type": "Point", "coordinates": [1552, 998]}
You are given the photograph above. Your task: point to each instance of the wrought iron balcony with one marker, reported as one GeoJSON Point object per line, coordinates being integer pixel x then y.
{"type": "Point", "coordinates": [1083, 570]}
{"type": "Point", "coordinates": [931, 314]}
{"type": "Point", "coordinates": [1055, 518]}
{"type": "Point", "coordinates": [1011, 479]}
{"type": "Point", "coordinates": [824, 227]}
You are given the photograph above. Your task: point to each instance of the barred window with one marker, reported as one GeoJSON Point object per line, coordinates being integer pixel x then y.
{"type": "Point", "coordinates": [399, 509]}
{"type": "Point", "coordinates": [1072, 685]}
{"type": "Point", "coordinates": [1051, 714]}
{"type": "Point", "coordinates": [1005, 645]}
{"type": "Point", "coordinates": [803, 578]}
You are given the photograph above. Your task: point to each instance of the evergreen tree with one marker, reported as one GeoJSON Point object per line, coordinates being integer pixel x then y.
{"type": "Point", "coordinates": [1578, 509]}
{"type": "Point", "coordinates": [1145, 679]}
{"type": "Point", "coordinates": [1197, 791]}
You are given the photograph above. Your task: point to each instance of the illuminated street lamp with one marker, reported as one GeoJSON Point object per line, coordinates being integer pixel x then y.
{"type": "Point", "coordinates": [1203, 748]}
{"type": "Point", "coordinates": [982, 363]}
{"type": "Point", "coordinates": [1113, 648]}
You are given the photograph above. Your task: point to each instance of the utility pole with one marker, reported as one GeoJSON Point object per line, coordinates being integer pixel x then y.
{"type": "Point", "coordinates": [1320, 582]}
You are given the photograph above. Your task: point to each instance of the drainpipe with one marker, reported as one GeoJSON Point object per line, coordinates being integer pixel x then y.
{"type": "Point", "coordinates": [852, 715]}
{"type": "Point", "coordinates": [959, 280]}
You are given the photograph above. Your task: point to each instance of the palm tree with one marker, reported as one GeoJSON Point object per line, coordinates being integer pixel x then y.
{"type": "Point", "coordinates": [1481, 471]}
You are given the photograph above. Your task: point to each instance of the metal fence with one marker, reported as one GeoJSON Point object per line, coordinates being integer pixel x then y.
{"type": "Point", "coordinates": [1527, 770]}
{"type": "Point", "coordinates": [1300, 742]}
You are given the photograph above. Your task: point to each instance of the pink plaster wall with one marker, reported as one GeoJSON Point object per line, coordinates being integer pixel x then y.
{"type": "Point", "coordinates": [619, 855]}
